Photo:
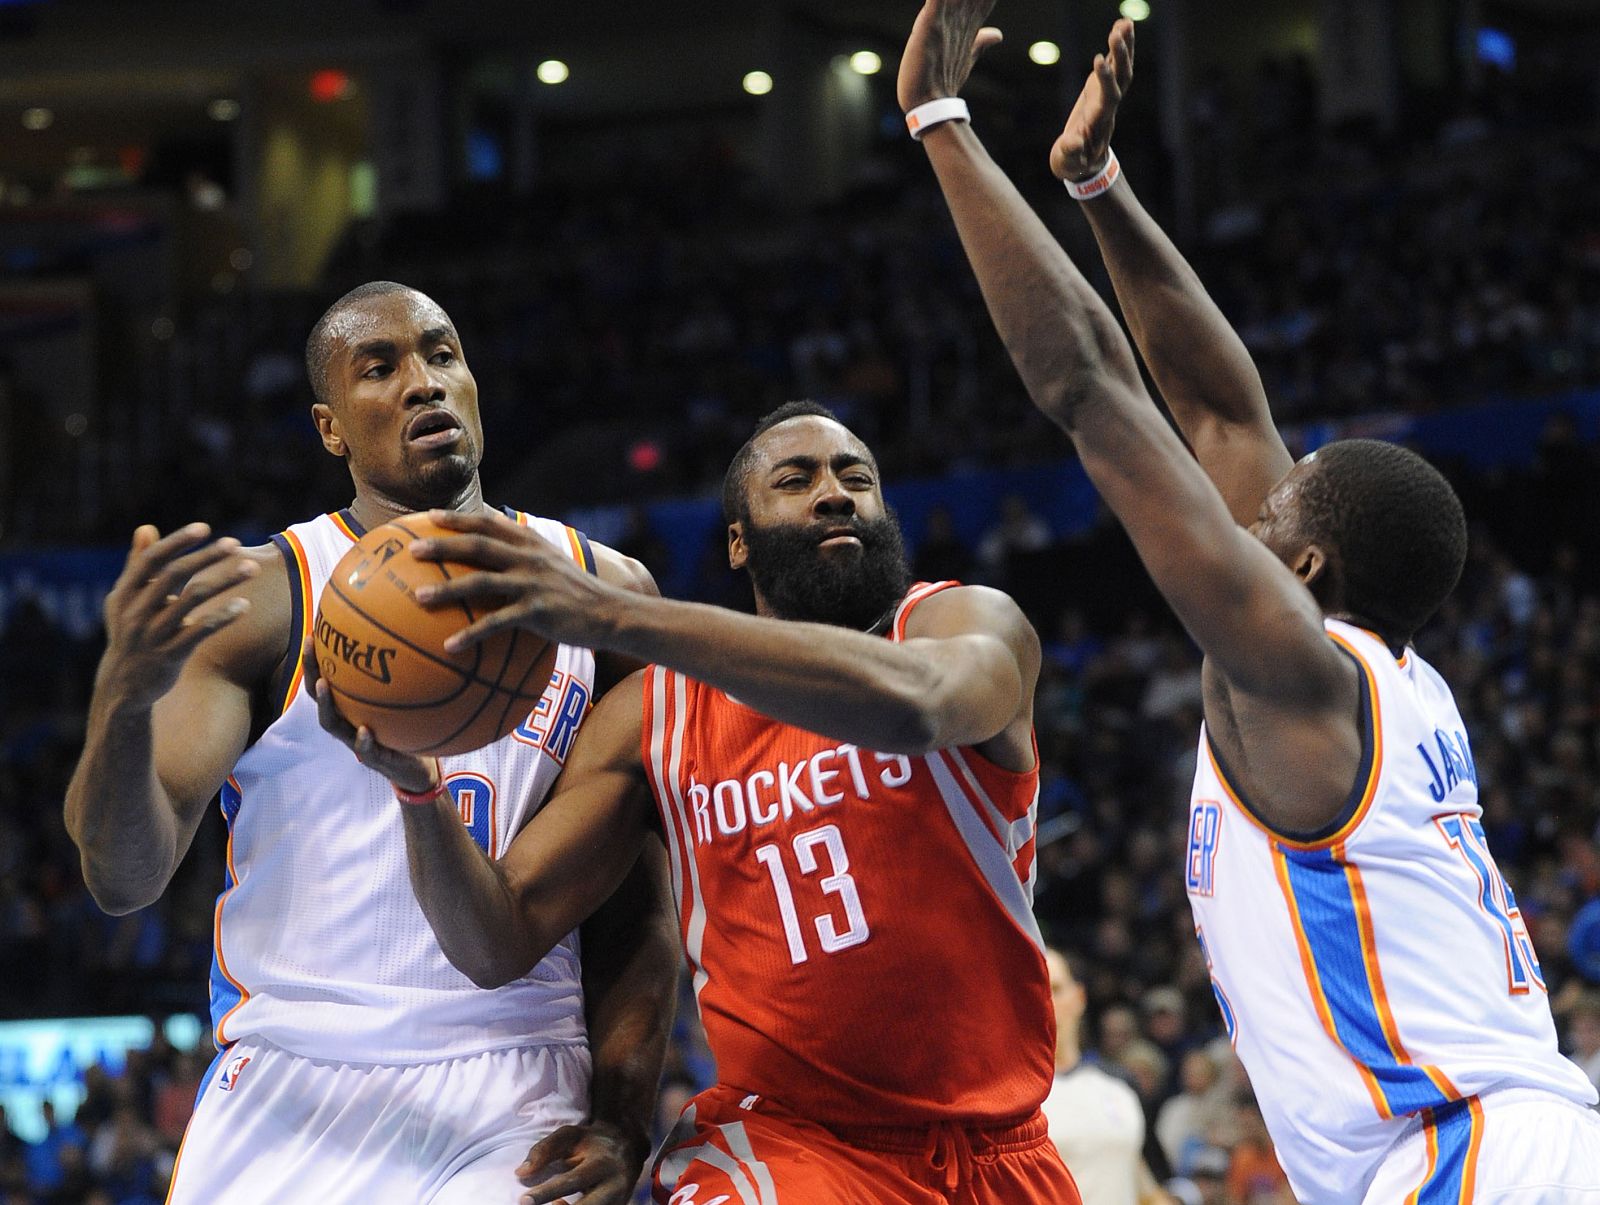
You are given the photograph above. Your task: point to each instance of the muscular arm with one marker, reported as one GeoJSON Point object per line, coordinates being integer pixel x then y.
{"type": "Point", "coordinates": [496, 920]}
{"type": "Point", "coordinates": [1260, 626]}
{"type": "Point", "coordinates": [157, 749]}
{"type": "Point", "coordinates": [1200, 365]}
{"type": "Point", "coordinates": [965, 677]}
{"type": "Point", "coordinates": [1205, 375]}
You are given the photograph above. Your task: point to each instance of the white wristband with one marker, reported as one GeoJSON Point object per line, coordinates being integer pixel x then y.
{"type": "Point", "coordinates": [936, 112]}
{"type": "Point", "coordinates": [1098, 183]}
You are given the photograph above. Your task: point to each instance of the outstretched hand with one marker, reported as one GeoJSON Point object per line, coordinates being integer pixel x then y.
{"type": "Point", "coordinates": [533, 584]}
{"type": "Point", "coordinates": [164, 606]}
{"type": "Point", "coordinates": [1081, 150]}
{"type": "Point", "coordinates": [410, 773]}
{"type": "Point", "coordinates": [946, 40]}
{"type": "Point", "coordinates": [591, 1163]}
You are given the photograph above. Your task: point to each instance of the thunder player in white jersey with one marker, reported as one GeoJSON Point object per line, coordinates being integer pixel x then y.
{"type": "Point", "coordinates": [355, 1064]}
{"type": "Point", "coordinates": [1369, 958]}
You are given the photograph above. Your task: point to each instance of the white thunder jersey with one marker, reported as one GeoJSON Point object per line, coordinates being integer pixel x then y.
{"type": "Point", "coordinates": [1381, 971]}
{"type": "Point", "coordinates": [321, 947]}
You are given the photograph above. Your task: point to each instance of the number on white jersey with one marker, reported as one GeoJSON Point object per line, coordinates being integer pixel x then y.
{"type": "Point", "coordinates": [1465, 835]}
{"type": "Point", "coordinates": [837, 882]}
{"type": "Point", "coordinates": [474, 796]}
{"type": "Point", "coordinates": [1230, 1021]}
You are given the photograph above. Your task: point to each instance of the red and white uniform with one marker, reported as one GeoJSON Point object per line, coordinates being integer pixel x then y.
{"type": "Point", "coordinates": [859, 927]}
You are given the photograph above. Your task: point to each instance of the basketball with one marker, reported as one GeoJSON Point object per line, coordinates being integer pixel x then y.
{"type": "Point", "coordinates": [382, 652]}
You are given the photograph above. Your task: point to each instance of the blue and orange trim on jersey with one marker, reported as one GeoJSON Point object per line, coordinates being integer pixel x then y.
{"type": "Point", "coordinates": [288, 678]}
{"type": "Point", "coordinates": [1453, 1135]}
{"type": "Point", "coordinates": [1332, 922]}
{"type": "Point", "coordinates": [577, 543]}
{"type": "Point", "coordinates": [227, 993]}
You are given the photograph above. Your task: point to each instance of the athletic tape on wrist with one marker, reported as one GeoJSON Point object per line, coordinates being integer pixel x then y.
{"type": "Point", "coordinates": [1098, 183]}
{"type": "Point", "coordinates": [936, 112]}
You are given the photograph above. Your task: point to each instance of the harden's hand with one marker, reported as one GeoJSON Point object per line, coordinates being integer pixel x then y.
{"type": "Point", "coordinates": [536, 585]}
{"type": "Point", "coordinates": [1086, 141]}
{"type": "Point", "coordinates": [946, 40]}
{"type": "Point", "coordinates": [156, 614]}
{"type": "Point", "coordinates": [407, 771]}
{"type": "Point", "coordinates": [600, 1168]}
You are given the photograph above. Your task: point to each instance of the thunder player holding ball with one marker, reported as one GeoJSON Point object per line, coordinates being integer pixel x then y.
{"type": "Point", "coordinates": [1372, 967]}
{"type": "Point", "coordinates": [356, 1064]}
{"type": "Point", "coordinates": [846, 784]}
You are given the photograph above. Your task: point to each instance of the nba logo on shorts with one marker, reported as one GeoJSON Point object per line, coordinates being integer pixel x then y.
{"type": "Point", "coordinates": [232, 1072]}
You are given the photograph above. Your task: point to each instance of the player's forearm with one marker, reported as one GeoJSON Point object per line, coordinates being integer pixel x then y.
{"type": "Point", "coordinates": [630, 970]}
{"type": "Point", "coordinates": [1063, 340]}
{"type": "Point", "coordinates": [117, 812]}
{"type": "Point", "coordinates": [469, 906]}
{"type": "Point", "coordinates": [833, 681]}
{"type": "Point", "coordinates": [1199, 363]}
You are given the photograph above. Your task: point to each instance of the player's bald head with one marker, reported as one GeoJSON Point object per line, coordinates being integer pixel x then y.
{"type": "Point", "coordinates": [341, 319]}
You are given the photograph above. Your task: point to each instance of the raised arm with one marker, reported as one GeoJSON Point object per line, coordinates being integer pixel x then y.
{"type": "Point", "coordinates": [1199, 363]}
{"type": "Point", "coordinates": [1260, 625]}
{"type": "Point", "coordinates": [965, 676]}
{"type": "Point", "coordinates": [191, 626]}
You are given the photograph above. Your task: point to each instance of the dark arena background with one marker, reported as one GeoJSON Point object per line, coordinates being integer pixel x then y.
{"type": "Point", "coordinates": [652, 224]}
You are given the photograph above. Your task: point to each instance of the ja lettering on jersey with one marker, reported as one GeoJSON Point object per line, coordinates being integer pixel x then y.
{"type": "Point", "coordinates": [1383, 969]}
{"type": "Point", "coordinates": [859, 925]}
{"type": "Point", "coordinates": [321, 947]}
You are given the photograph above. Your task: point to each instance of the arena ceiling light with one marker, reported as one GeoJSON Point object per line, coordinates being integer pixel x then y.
{"type": "Point", "coordinates": [1134, 10]}
{"type": "Point", "coordinates": [552, 71]}
{"type": "Point", "coordinates": [866, 62]}
{"type": "Point", "coordinates": [37, 118]}
{"type": "Point", "coordinates": [1046, 54]}
{"type": "Point", "coordinates": [224, 108]}
{"type": "Point", "coordinates": [757, 83]}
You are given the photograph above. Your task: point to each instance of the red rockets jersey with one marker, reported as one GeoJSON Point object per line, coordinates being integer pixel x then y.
{"type": "Point", "coordinates": [859, 925]}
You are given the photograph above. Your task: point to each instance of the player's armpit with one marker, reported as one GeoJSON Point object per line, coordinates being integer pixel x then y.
{"type": "Point", "coordinates": [984, 657]}
{"type": "Point", "coordinates": [573, 854]}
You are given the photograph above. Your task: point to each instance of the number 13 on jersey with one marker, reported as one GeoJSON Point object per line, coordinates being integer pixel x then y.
{"type": "Point", "coordinates": [836, 881]}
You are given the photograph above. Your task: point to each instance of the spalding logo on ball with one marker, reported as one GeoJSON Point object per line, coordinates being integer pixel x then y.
{"type": "Point", "coordinates": [382, 652]}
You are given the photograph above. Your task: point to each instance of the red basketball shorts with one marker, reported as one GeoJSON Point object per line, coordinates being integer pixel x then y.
{"type": "Point", "coordinates": [733, 1149]}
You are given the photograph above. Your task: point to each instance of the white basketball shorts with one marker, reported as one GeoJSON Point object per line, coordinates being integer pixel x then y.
{"type": "Point", "coordinates": [1516, 1147]}
{"type": "Point", "coordinates": [271, 1126]}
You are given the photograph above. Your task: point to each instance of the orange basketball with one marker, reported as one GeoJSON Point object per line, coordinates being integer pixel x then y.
{"type": "Point", "coordinates": [382, 652]}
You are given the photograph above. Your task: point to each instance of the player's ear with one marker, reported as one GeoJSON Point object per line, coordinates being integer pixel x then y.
{"type": "Point", "coordinates": [328, 428]}
{"type": "Point", "coordinates": [738, 553]}
{"type": "Point", "coordinates": [1311, 566]}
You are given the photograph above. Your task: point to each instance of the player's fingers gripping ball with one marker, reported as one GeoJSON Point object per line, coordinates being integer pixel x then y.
{"type": "Point", "coordinates": [382, 652]}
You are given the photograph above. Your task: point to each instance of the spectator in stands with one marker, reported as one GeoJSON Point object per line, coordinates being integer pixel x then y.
{"type": "Point", "coordinates": [1096, 1120]}
{"type": "Point", "coordinates": [1584, 1034]}
{"type": "Point", "coordinates": [1185, 1121]}
{"type": "Point", "coordinates": [1017, 532]}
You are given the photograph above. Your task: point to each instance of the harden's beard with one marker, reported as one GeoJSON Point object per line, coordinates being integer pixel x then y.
{"type": "Point", "coordinates": [850, 590]}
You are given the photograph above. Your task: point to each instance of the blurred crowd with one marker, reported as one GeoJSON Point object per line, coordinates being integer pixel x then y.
{"type": "Point", "coordinates": [625, 331]}
{"type": "Point", "coordinates": [625, 338]}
